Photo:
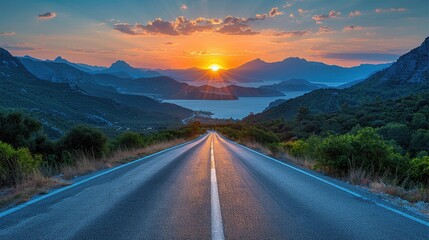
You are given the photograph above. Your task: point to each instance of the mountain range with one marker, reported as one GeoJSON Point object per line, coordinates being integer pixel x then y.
{"type": "Point", "coordinates": [290, 68]}
{"type": "Point", "coordinates": [158, 87]}
{"type": "Point", "coordinates": [60, 105]}
{"type": "Point", "coordinates": [408, 75]}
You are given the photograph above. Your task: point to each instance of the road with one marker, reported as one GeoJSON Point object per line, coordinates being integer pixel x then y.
{"type": "Point", "coordinates": [209, 189]}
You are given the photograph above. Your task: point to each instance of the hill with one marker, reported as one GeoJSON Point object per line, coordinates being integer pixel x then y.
{"type": "Point", "coordinates": [169, 88]}
{"type": "Point", "coordinates": [408, 75]}
{"type": "Point", "coordinates": [295, 85]}
{"type": "Point", "coordinates": [60, 106]}
{"type": "Point", "coordinates": [121, 67]}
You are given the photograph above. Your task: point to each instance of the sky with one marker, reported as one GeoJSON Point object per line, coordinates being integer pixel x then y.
{"type": "Point", "coordinates": [198, 33]}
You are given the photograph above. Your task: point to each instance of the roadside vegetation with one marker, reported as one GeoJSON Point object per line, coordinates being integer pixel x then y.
{"type": "Point", "coordinates": [31, 163]}
{"type": "Point", "coordinates": [382, 146]}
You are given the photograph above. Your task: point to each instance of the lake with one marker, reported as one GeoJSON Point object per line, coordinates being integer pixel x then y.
{"type": "Point", "coordinates": [236, 109]}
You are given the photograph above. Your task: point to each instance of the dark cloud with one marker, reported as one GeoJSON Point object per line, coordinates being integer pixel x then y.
{"type": "Point", "coordinates": [182, 26]}
{"type": "Point", "coordinates": [352, 27]}
{"type": "Point", "coordinates": [48, 15]}
{"type": "Point", "coordinates": [275, 12]}
{"type": "Point", "coordinates": [7, 33]}
{"type": "Point", "coordinates": [362, 56]}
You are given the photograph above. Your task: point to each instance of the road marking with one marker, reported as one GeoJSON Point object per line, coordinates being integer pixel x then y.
{"type": "Point", "coordinates": [217, 228]}
{"type": "Point", "coordinates": [38, 199]}
{"type": "Point", "coordinates": [336, 186]}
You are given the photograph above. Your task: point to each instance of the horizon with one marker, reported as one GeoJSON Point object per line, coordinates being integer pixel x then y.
{"type": "Point", "coordinates": [185, 34]}
{"type": "Point", "coordinates": [206, 68]}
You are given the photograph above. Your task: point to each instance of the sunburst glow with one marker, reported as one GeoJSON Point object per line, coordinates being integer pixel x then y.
{"type": "Point", "coordinates": [215, 67]}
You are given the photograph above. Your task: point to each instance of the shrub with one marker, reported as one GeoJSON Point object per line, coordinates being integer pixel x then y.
{"type": "Point", "coordinates": [130, 140]}
{"type": "Point", "coordinates": [420, 169]}
{"type": "Point", "coordinates": [85, 140]}
{"type": "Point", "coordinates": [16, 129]}
{"type": "Point", "coordinates": [16, 164]}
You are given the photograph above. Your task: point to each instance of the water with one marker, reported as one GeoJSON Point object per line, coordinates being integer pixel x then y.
{"type": "Point", "coordinates": [236, 109]}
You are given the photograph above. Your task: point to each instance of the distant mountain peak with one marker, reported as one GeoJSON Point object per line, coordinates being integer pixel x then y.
{"type": "Point", "coordinates": [295, 60]}
{"type": "Point", "coordinates": [120, 64]}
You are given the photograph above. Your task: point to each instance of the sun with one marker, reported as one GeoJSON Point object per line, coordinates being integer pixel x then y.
{"type": "Point", "coordinates": [215, 67]}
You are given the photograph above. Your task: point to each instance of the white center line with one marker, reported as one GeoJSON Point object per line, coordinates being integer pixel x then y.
{"type": "Point", "coordinates": [217, 228]}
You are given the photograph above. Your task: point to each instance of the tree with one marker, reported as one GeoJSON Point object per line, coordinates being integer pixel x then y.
{"type": "Point", "coordinates": [84, 139]}
{"type": "Point", "coordinates": [17, 129]}
{"type": "Point", "coordinates": [130, 140]}
{"type": "Point", "coordinates": [303, 113]}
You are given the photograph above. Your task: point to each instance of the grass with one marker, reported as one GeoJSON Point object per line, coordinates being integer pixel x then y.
{"type": "Point", "coordinates": [33, 185]}
{"type": "Point", "coordinates": [39, 183]}
{"type": "Point", "coordinates": [357, 176]}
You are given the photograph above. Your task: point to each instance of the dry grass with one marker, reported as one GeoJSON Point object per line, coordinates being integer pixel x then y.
{"type": "Point", "coordinates": [304, 162]}
{"type": "Point", "coordinates": [40, 184]}
{"type": "Point", "coordinates": [34, 185]}
{"type": "Point", "coordinates": [414, 194]}
{"type": "Point", "coordinates": [87, 164]}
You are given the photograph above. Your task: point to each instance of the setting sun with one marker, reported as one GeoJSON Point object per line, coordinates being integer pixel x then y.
{"type": "Point", "coordinates": [215, 67]}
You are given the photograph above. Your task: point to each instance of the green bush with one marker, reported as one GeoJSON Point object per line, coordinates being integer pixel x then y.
{"type": "Point", "coordinates": [16, 129]}
{"type": "Point", "coordinates": [16, 164]}
{"type": "Point", "coordinates": [130, 140]}
{"type": "Point", "coordinates": [365, 149]}
{"type": "Point", "coordinates": [84, 139]}
{"type": "Point", "coordinates": [261, 136]}
{"type": "Point", "coordinates": [420, 169]}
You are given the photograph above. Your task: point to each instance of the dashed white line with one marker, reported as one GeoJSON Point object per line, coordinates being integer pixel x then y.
{"type": "Point", "coordinates": [216, 217]}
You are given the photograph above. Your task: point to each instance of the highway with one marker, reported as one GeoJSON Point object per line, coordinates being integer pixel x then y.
{"type": "Point", "coordinates": [209, 188]}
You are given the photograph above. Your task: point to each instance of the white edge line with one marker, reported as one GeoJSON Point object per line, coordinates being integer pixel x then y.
{"type": "Point", "coordinates": [336, 186]}
{"type": "Point", "coordinates": [40, 198]}
{"type": "Point", "coordinates": [216, 216]}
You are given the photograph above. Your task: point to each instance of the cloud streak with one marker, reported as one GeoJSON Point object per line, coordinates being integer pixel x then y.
{"type": "Point", "coordinates": [48, 15]}
{"type": "Point", "coordinates": [7, 33]}
{"type": "Point", "coordinates": [362, 56]}
{"type": "Point", "coordinates": [384, 10]}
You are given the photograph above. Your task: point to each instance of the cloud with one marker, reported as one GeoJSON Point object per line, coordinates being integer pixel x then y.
{"type": "Point", "coordinates": [325, 29]}
{"type": "Point", "coordinates": [302, 11]}
{"type": "Point", "coordinates": [352, 27]}
{"type": "Point", "coordinates": [183, 7]}
{"type": "Point", "coordinates": [292, 33]}
{"type": "Point", "coordinates": [355, 13]}
{"type": "Point", "coordinates": [170, 43]}
{"type": "Point", "coordinates": [275, 12]}
{"type": "Point", "coordinates": [19, 47]}
{"type": "Point", "coordinates": [7, 33]}
{"type": "Point", "coordinates": [331, 14]}
{"type": "Point", "coordinates": [48, 15]}
{"type": "Point", "coordinates": [362, 56]}
{"type": "Point", "coordinates": [230, 25]}
{"type": "Point", "coordinates": [383, 10]}
{"type": "Point", "coordinates": [291, 15]}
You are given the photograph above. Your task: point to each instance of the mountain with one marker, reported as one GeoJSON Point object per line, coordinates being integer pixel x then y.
{"type": "Point", "coordinates": [158, 87]}
{"type": "Point", "coordinates": [120, 67]}
{"type": "Point", "coordinates": [295, 85]}
{"type": "Point", "coordinates": [60, 106]}
{"type": "Point", "coordinates": [290, 68]}
{"type": "Point", "coordinates": [408, 75]}
{"type": "Point", "coordinates": [168, 88]}
{"type": "Point", "coordinates": [81, 66]}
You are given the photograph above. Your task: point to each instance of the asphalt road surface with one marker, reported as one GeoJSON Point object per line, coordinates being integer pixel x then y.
{"type": "Point", "coordinates": [209, 188]}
